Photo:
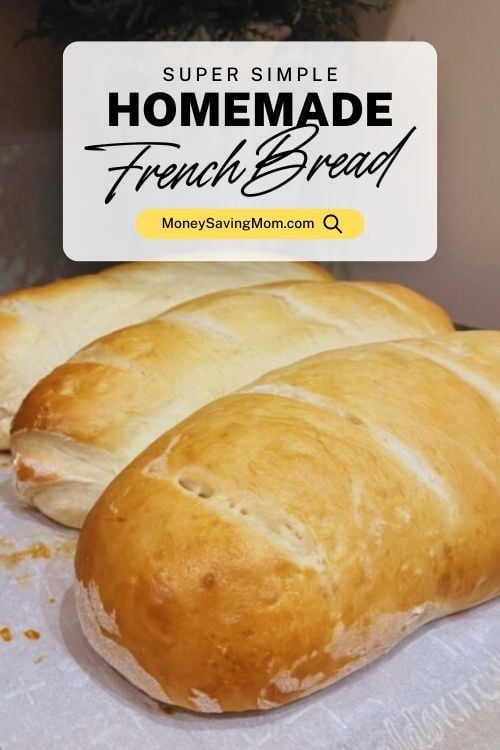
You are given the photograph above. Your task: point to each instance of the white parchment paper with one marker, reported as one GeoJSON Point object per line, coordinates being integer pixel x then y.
{"type": "Point", "coordinates": [439, 690]}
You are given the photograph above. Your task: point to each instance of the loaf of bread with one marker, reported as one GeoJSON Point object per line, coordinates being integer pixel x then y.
{"type": "Point", "coordinates": [88, 419]}
{"type": "Point", "coordinates": [287, 534]}
{"type": "Point", "coordinates": [43, 326]}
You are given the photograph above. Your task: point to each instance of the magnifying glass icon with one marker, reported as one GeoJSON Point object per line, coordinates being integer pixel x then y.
{"type": "Point", "coordinates": [332, 225]}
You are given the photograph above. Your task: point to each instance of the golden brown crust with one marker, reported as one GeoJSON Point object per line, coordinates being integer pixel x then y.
{"type": "Point", "coordinates": [126, 389]}
{"type": "Point", "coordinates": [287, 534]}
{"type": "Point", "coordinates": [41, 327]}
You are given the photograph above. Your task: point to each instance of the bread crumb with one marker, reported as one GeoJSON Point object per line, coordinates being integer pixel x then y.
{"type": "Point", "coordinates": [37, 550]}
{"type": "Point", "coordinates": [33, 635]}
{"type": "Point", "coordinates": [67, 547]}
{"type": "Point", "coordinates": [6, 634]}
{"type": "Point", "coordinates": [34, 551]}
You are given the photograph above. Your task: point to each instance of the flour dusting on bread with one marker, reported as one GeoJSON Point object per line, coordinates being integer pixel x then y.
{"type": "Point", "coordinates": [115, 654]}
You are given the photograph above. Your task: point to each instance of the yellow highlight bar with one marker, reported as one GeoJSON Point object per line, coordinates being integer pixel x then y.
{"type": "Point", "coordinates": [250, 224]}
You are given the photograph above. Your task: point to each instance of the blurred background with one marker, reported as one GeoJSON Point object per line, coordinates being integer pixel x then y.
{"type": "Point", "coordinates": [464, 275]}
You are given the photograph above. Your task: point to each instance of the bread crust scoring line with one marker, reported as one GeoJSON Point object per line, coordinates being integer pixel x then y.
{"type": "Point", "coordinates": [411, 460]}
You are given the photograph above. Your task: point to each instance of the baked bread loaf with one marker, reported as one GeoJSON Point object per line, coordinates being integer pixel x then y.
{"type": "Point", "coordinates": [43, 326]}
{"type": "Point", "coordinates": [86, 421]}
{"type": "Point", "coordinates": [285, 535]}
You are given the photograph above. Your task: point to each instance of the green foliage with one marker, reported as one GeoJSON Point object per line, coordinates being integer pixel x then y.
{"type": "Point", "coordinates": [69, 20]}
